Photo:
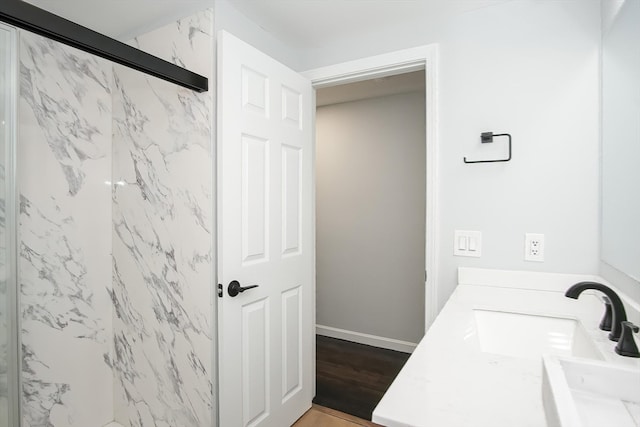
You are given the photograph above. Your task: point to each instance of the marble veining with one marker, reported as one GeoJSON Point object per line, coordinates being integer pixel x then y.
{"type": "Point", "coordinates": [64, 246]}
{"type": "Point", "coordinates": [162, 236]}
{"type": "Point", "coordinates": [115, 235]}
{"type": "Point", "coordinates": [54, 82]}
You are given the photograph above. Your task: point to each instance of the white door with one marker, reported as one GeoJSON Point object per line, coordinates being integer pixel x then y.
{"type": "Point", "coordinates": [265, 238]}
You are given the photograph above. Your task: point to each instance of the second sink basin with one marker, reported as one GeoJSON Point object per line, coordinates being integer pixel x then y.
{"type": "Point", "coordinates": [530, 336]}
{"type": "Point", "coordinates": [588, 393]}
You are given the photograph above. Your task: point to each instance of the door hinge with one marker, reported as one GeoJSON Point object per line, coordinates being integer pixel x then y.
{"type": "Point", "coordinates": [220, 293]}
{"type": "Point", "coordinates": [425, 275]}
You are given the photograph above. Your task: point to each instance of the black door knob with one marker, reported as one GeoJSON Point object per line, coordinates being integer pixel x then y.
{"type": "Point", "coordinates": [234, 288]}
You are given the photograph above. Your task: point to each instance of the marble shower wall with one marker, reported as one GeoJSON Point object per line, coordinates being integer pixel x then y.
{"type": "Point", "coordinates": [64, 226]}
{"type": "Point", "coordinates": [115, 235]}
{"type": "Point", "coordinates": [162, 235]}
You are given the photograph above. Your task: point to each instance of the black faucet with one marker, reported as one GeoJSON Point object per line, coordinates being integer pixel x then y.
{"type": "Point", "coordinates": [619, 315]}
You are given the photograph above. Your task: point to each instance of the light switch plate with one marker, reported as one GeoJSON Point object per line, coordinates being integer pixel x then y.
{"type": "Point", "coordinates": [467, 243]}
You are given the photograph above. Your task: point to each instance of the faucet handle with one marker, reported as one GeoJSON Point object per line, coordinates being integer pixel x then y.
{"type": "Point", "coordinates": [626, 345]}
{"type": "Point", "coordinates": [605, 323]}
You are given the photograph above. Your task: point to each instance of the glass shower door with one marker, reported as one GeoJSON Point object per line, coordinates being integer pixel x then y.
{"type": "Point", "coordinates": [8, 363]}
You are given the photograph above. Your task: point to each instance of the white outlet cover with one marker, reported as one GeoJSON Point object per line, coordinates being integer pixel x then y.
{"type": "Point", "coordinates": [534, 247]}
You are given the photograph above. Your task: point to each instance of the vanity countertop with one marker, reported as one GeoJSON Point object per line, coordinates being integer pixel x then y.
{"type": "Point", "coordinates": [448, 381]}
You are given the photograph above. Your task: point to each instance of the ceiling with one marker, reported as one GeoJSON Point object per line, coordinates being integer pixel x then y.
{"type": "Point", "coordinates": [122, 19]}
{"type": "Point", "coordinates": [301, 23]}
{"type": "Point", "coordinates": [318, 23]}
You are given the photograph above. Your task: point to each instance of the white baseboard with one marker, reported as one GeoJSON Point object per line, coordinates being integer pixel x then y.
{"type": "Point", "coordinates": [373, 340]}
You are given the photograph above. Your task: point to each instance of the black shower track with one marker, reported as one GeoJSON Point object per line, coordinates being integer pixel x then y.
{"type": "Point", "coordinates": [31, 18]}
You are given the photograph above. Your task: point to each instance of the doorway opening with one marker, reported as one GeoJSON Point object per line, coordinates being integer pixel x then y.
{"type": "Point", "coordinates": [370, 236]}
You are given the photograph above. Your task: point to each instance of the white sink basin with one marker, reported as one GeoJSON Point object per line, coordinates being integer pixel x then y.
{"type": "Point", "coordinates": [530, 336]}
{"type": "Point", "coordinates": [589, 393]}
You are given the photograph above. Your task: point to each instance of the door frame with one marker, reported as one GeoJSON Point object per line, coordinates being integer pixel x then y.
{"type": "Point", "coordinates": [398, 62]}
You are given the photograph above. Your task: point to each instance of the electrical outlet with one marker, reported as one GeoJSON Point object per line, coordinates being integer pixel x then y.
{"type": "Point", "coordinates": [534, 247]}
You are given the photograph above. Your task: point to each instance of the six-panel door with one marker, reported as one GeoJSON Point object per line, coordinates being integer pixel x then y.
{"type": "Point", "coordinates": [264, 238]}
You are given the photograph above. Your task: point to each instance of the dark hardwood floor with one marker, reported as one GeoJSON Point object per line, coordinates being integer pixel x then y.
{"type": "Point", "coordinates": [352, 377]}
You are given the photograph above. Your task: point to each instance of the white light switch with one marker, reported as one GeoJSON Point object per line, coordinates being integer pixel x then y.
{"type": "Point", "coordinates": [467, 243]}
{"type": "Point", "coordinates": [472, 244]}
{"type": "Point", "coordinates": [462, 243]}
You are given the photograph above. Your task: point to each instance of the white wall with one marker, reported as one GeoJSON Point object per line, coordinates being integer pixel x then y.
{"type": "Point", "coordinates": [370, 216]}
{"type": "Point", "coordinates": [228, 18]}
{"type": "Point", "coordinates": [529, 68]}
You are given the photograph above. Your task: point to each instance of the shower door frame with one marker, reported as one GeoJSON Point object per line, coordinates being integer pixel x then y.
{"type": "Point", "coordinates": [11, 210]}
{"type": "Point", "coordinates": [32, 18]}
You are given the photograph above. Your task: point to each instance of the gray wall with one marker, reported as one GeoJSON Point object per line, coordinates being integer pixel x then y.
{"type": "Point", "coordinates": [370, 216]}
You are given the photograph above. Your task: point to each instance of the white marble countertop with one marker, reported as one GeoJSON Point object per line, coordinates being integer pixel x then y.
{"type": "Point", "coordinates": [449, 382]}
